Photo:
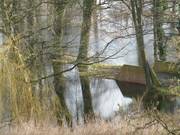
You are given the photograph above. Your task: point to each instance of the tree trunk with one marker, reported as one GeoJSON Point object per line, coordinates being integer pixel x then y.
{"type": "Point", "coordinates": [150, 97]}
{"type": "Point", "coordinates": [59, 81]}
{"type": "Point", "coordinates": [83, 53]}
{"type": "Point", "coordinates": [95, 30]}
{"type": "Point", "coordinates": [136, 6]}
{"type": "Point", "coordinates": [159, 45]}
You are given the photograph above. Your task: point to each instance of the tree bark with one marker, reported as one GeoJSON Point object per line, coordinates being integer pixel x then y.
{"type": "Point", "coordinates": [159, 45]}
{"type": "Point", "coordinates": [136, 6]}
{"type": "Point", "coordinates": [59, 81]}
{"type": "Point", "coordinates": [83, 53]}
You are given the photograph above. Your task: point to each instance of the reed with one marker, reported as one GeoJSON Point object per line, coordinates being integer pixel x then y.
{"type": "Point", "coordinates": [18, 99]}
{"type": "Point", "coordinates": [139, 124]}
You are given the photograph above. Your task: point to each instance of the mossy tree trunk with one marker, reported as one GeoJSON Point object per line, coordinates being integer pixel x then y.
{"type": "Point", "coordinates": [137, 20]}
{"type": "Point", "coordinates": [151, 96]}
{"type": "Point", "coordinates": [95, 29]}
{"type": "Point", "coordinates": [83, 54]}
{"type": "Point", "coordinates": [178, 25]}
{"type": "Point", "coordinates": [136, 6]}
{"type": "Point", "coordinates": [59, 80]}
{"type": "Point", "coordinates": [174, 2]}
{"type": "Point", "coordinates": [159, 44]}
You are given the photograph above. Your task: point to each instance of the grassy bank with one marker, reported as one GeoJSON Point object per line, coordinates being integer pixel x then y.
{"type": "Point", "coordinates": [136, 124]}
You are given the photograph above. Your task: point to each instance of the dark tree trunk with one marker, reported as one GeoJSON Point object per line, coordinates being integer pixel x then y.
{"type": "Point", "coordinates": [150, 96]}
{"type": "Point", "coordinates": [159, 44]}
{"type": "Point", "coordinates": [83, 53]}
{"type": "Point", "coordinates": [59, 81]}
{"type": "Point", "coordinates": [136, 6]}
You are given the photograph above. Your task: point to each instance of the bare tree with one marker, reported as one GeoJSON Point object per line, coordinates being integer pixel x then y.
{"type": "Point", "coordinates": [83, 55]}
{"type": "Point", "coordinates": [59, 81]}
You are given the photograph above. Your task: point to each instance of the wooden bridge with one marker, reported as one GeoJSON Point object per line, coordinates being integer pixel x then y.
{"type": "Point", "coordinates": [131, 79]}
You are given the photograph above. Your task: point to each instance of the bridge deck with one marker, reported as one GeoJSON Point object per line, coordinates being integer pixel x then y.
{"type": "Point", "coordinates": [128, 73]}
{"type": "Point", "coordinates": [125, 73]}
